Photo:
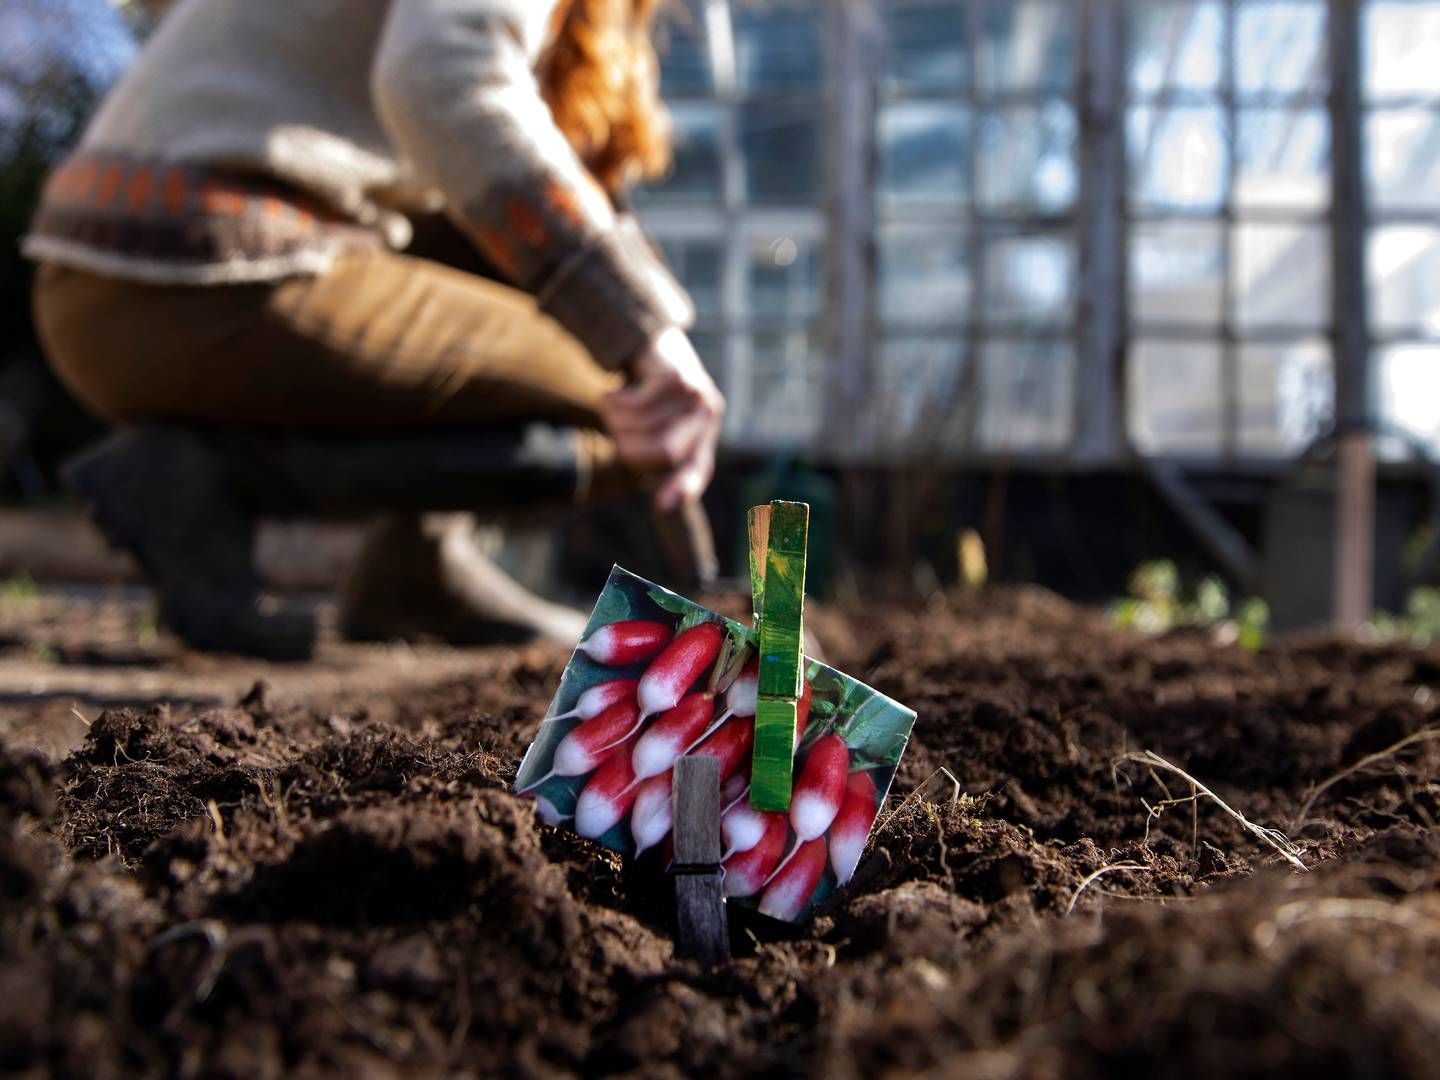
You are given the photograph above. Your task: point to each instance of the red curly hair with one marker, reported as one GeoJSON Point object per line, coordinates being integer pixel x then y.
{"type": "Point", "coordinates": [600, 78]}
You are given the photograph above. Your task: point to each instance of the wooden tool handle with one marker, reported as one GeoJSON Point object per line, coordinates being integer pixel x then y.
{"type": "Point", "coordinates": [688, 544]}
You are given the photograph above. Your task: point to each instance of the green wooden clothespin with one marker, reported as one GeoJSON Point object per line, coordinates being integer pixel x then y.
{"type": "Point", "coordinates": [779, 535]}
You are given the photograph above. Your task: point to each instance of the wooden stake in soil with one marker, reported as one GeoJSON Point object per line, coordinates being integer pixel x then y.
{"type": "Point", "coordinates": [700, 931]}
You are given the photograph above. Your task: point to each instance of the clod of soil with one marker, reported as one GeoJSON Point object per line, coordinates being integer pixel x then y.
{"type": "Point", "coordinates": [260, 890]}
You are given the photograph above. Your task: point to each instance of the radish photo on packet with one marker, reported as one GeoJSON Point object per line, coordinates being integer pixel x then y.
{"type": "Point", "coordinates": [655, 677]}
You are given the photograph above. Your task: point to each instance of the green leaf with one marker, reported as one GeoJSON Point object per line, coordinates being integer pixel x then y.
{"type": "Point", "coordinates": [863, 761]}
{"type": "Point", "coordinates": [668, 601]}
{"type": "Point", "coordinates": [827, 682]}
{"type": "Point", "coordinates": [613, 606]}
{"type": "Point", "coordinates": [742, 639]}
{"type": "Point", "coordinates": [695, 617]}
{"type": "Point", "coordinates": [1212, 600]}
{"type": "Point", "coordinates": [875, 727]}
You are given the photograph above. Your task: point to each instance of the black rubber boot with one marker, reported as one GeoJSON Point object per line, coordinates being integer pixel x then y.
{"type": "Point", "coordinates": [164, 495]}
{"type": "Point", "coordinates": [421, 574]}
{"type": "Point", "coordinates": [185, 504]}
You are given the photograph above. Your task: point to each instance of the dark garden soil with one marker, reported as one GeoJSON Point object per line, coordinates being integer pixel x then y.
{"type": "Point", "coordinates": [267, 888]}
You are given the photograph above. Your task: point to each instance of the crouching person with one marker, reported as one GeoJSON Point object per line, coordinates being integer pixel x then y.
{"type": "Point", "coordinates": [369, 258]}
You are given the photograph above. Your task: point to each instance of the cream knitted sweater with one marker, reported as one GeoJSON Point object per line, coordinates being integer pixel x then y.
{"type": "Point", "coordinates": [375, 108]}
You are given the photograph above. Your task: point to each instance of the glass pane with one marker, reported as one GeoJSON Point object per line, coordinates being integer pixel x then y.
{"type": "Point", "coordinates": [684, 59]}
{"type": "Point", "coordinates": [923, 275]}
{"type": "Point", "coordinates": [924, 150]}
{"type": "Point", "coordinates": [1284, 159]}
{"type": "Point", "coordinates": [1409, 378]}
{"type": "Point", "coordinates": [1280, 46]}
{"type": "Point", "coordinates": [1402, 151]}
{"type": "Point", "coordinates": [781, 148]}
{"type": "Point", "coordinates": [925, 45]}
{"type": "Point", "coordinates": [783, 277]}
{"type": "Point", "coordinates": [1178, 157]}
{"type": "Point", "coordinates": [776, 48]}
{"type": "Point", "coordinates": [696, 175]}
{"type": "Point", "coordinates": [1282, 275]}
{"type": "Point", "coordinates": [1026, 158]}
{"type": "Point", "coordinates": [1286, 396]}
{"type": "Point", "coordinates": [1027, 395]}
{"type": "Point", "coordinates": [1404, 269]}
{"type": "Point", "coordinates": [1402, 40]}
{"type": "Point", "coordinates": [918, 404]}
{"type": "Point", "coordinates": [1174, 46]}
{"type": "Point", "coordinates": [1177, 271]}
{"type": "Point", "coordinates": [1028, 279]}
{"type": "Point", "coordinates": [697, 264]}
{"type": "Point", "coordinates": [787, 389]}
{"type": "Point", "coordinates": [1175, 399]}
{"type": "Point", "coordinates": [1027, 45]}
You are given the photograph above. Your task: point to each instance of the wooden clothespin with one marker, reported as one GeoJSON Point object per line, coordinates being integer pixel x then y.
{"type": "Point", "coordinates": [779, 536]}
{"type": "Point", "coordinates": [700, 929]}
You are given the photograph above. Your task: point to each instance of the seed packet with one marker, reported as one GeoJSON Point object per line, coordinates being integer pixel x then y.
{"type": "Point", "coordinates": [656, 676]}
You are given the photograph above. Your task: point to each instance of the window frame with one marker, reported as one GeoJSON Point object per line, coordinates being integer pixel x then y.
{"type": "Point", "coordinates": [1099, 229]}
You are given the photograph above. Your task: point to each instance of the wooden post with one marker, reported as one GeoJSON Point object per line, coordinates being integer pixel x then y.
{"type": "Point", "coordinates": [1355, 460]}
{"type": "Point", "coordinates": [853, 47]}
{"type": "Point", "coordinates": [700, 929]}
{"type": "Point", "coordinates": [1100, 425]}
{"type": "Point", "coordinates": [1354, 531]}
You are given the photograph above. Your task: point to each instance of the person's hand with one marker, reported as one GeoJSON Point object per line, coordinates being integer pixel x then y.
{"type": "Point", "coordinates": [667, 421]}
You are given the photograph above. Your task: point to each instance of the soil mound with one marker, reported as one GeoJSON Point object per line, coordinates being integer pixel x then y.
{"type": "Point", "coordinates": [258, 890]}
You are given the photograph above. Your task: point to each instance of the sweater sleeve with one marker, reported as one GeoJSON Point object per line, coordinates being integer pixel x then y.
{"type": "Point", "coordinates": [455, 89]}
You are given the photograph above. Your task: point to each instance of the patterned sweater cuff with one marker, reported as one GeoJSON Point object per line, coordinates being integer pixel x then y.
{"type": "Point", "coordinates": [616, 294]}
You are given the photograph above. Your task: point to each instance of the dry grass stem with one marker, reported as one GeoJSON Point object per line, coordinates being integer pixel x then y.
{"type": "Point", "coordinates": [1272, 838]}
{"type": "Point", "coordinates": [1096, 876]}
{"type": "Point", "coordinates": [1362, 764]}
{"type": "Point", "coordinates": [918, 793]}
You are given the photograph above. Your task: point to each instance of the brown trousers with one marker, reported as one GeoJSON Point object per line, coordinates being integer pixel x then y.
{"type": "Point", "coordinates": [380, 342]}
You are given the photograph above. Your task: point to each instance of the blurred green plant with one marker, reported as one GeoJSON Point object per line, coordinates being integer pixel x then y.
{"type": "Point", "coordinates": [41, 653]}
{"type": "Point", "coordinates": [18, 592]}
{"type": "Point", "coordinates": [1419, 624]}
{"type": "Point", "coordinates": [147, 627]}
{"type": "Point", "coordinates": [1157, 603]}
